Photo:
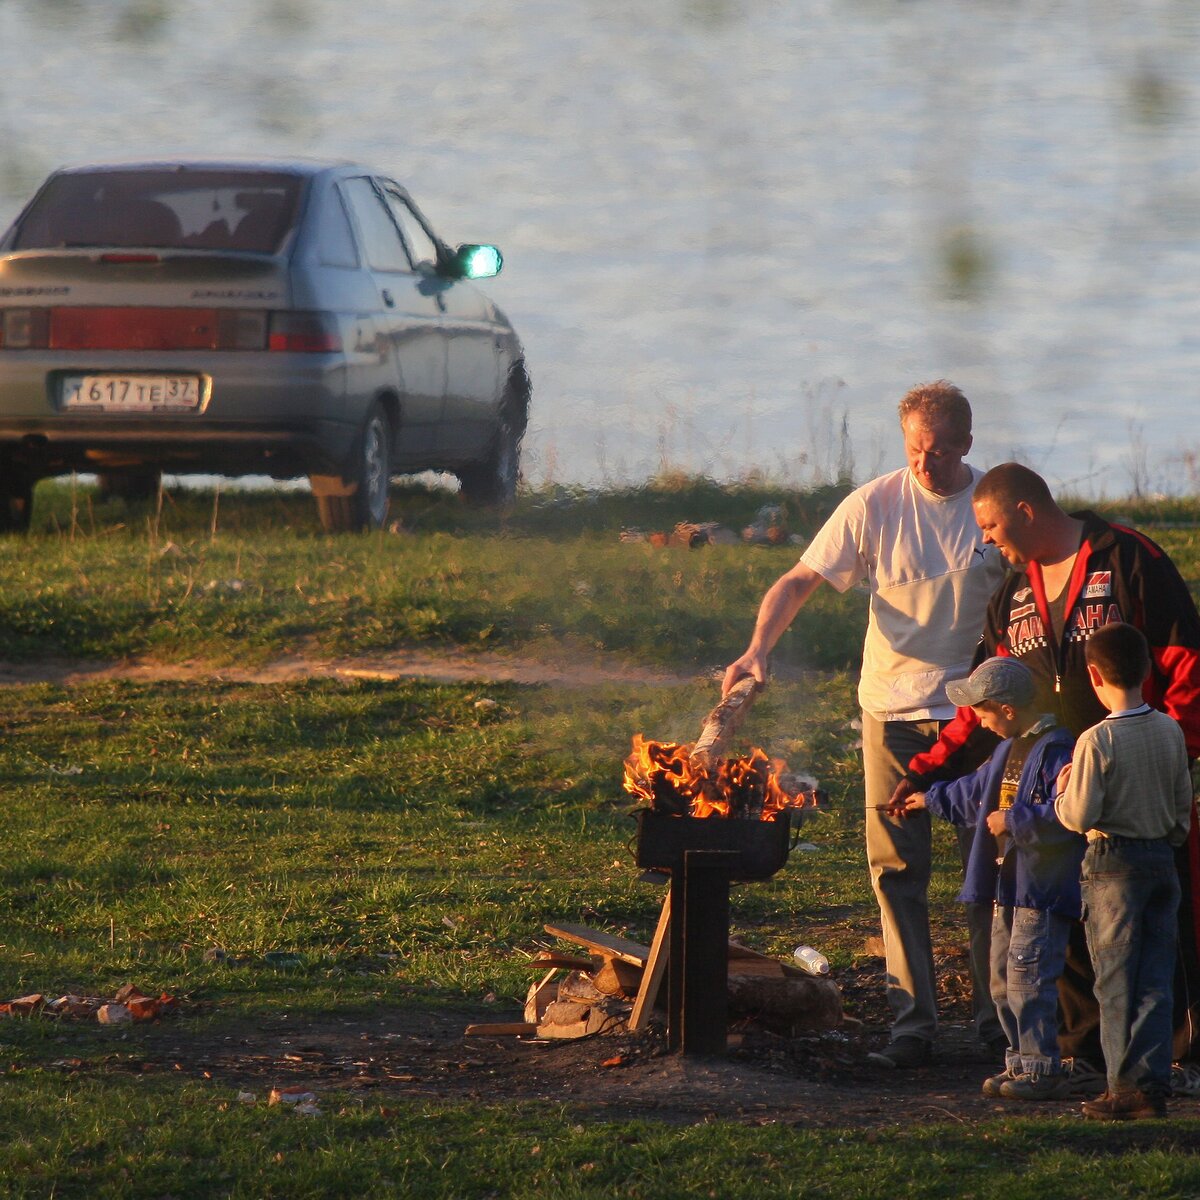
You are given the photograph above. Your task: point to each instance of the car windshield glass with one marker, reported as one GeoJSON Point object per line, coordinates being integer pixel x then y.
{"type": "Point", "coordinates": [175, 209]}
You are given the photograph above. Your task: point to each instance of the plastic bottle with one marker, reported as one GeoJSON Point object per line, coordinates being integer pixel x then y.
{"type": "Point", "coordinates": [812, 961]}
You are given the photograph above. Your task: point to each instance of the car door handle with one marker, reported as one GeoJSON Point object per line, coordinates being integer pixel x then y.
{"type": "Point", "coordinates": [389, 299]}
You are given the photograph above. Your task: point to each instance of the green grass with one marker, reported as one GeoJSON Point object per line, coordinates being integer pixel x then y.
{"type": "Point", "coordinates": [109, 581]}
{"type": "Point", "coordinates": [392, 844]}
{"type": "Point", "coordinates": [150, 1139]}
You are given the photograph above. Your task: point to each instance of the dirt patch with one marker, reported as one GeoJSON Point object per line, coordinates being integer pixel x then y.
{"type": "Point", "coordinates": [441, 666]}
{"type": "Point", "coordinates": [416, 1053]}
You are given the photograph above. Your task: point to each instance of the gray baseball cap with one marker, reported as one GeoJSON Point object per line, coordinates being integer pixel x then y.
{"type": "Point", "coordinates": [1004, 680]}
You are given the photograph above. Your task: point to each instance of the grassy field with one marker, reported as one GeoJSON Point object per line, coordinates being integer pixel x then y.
{"type": "Point", "coordinates": [355, 847]}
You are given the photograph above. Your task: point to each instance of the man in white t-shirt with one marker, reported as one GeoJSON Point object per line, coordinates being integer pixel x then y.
{"type": "Point", "coordinates": [911, 536]}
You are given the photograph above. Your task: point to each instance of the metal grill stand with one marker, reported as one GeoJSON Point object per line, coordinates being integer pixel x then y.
{"type": "Point", "coordinates": [703, 856]}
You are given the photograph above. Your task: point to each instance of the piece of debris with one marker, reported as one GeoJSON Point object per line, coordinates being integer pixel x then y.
{"type": "Point", "coordinates": [769, 527]}
{"type": "Point", "coordinates": [705, 533]}
{"type": "Point", "coordinates": [113, 1014]}
{"type": "Point", "coordinates": [128, 1004]}
{"type": "Point", "coordinates": [501, 1029]}
{"type": "Point", "coordinates": [689, 534]}
{"type": "Point", "coordinates": [247, 1098]}
{"type": "Point", "coordinates": [291, 1095]}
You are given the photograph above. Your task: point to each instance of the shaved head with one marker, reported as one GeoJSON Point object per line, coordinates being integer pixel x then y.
{"type": "Point", "coordinates": [1011, 484]}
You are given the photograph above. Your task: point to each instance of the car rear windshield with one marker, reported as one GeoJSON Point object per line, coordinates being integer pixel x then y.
{"type": "Point", "coordinates": [172, 209]}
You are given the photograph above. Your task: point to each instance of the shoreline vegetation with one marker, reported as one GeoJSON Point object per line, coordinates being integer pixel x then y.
{"type": "Point", "coordinates": [296, 855]}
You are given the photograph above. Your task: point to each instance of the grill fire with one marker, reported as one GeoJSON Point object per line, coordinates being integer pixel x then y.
{"type": "Point", "coordinates": [672, 779]}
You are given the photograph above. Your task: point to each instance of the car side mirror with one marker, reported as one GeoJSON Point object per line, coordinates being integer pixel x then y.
{"type": "Point", "coordinates": [477, 262]}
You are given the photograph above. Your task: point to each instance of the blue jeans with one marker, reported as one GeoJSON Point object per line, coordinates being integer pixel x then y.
{"type": "Point", "coordinates": [1130, 903]}
{"type": "Point", "coordinates": [1029, 946]}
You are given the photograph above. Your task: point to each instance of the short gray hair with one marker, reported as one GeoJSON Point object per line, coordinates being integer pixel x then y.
{"type": "Point", "coordinates": [942, 402]}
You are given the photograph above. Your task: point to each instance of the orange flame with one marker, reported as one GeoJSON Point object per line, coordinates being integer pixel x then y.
{"type": "Point", "coordinates": [665, 775]}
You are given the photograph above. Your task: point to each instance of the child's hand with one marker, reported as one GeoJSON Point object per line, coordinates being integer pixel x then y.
{"type": "Point", "coordinates": [1060, 783]}
{"type": "Point", "coordinates": [997, 823]}
{"type": "Point", "coordinates": [906, 805]}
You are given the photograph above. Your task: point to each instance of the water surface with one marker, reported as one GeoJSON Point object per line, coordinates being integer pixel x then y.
{"type": "Point", "coordinates": [732, 227]}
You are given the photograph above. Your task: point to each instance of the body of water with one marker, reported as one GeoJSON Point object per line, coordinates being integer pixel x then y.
{"type": "Point", "coordinates": [736, 231]}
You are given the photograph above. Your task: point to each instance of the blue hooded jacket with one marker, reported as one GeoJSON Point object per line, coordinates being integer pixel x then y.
{"type": "Point", "coordinates": [1042, 858]}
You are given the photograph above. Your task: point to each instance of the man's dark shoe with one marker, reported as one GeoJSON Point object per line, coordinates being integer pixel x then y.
{"type": "Point", "coordinates": [902, 1054]}
{"type": "Point", "coordinates": [1125, 1106]}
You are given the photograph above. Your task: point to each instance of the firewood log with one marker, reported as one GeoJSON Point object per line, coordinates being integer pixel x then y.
{"type": "Point", "coordinates": [721, 724]}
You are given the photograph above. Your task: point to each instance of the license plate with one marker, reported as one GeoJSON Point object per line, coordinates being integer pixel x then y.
{"type": "Point", "coordinates": [132, 393]}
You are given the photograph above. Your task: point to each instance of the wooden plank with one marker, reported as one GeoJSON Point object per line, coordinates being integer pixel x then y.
{"type": "Point", "coordinates": [609, 944]}
{"type": "Point", "coordinates": [552, 958]}
{"type": "Point", "coordinates": [763, 968]}
{"type": "Point", "coordinates": [737, 950]}
{"type": "Point", "coordinates": [501, 1029]}
{"type": "Point", "coordinates": [656, 968]}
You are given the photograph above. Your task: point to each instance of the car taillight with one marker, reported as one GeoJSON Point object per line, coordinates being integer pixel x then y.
{"type": "Point", "coordinates": [241, 329]}
{"type": "Point", "coordinates": [25, 329]}
{"type": "Point", "coordinates": [305, 332]}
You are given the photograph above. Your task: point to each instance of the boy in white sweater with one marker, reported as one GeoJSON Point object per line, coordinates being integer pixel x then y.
{"type": "Point", "coordinates": [1129, 789]}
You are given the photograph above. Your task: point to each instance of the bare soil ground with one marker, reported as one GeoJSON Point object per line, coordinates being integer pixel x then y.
{"type": "Point", "coordinates": [399, 1055]}
{"type": "Point", "coordinates": [441, 666]}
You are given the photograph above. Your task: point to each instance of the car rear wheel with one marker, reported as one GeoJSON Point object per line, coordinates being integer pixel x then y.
{"type": "Point", "coordinates": [359, 500]}
{"type": "Point", "coordinates": [493, 482]}
{"type": "Point", "coordinates": [16, 499]}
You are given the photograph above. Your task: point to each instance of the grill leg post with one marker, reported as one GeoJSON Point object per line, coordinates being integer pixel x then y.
{"type": "Point", "coordinates": [699, 980]}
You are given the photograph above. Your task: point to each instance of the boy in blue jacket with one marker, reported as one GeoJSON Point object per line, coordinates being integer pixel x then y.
{"type": "Point", "coordinates": [1023, 861]}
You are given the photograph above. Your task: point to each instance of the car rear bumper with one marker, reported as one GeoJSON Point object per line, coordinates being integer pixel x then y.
{"type": "Point", "coordinates": [282, 415]}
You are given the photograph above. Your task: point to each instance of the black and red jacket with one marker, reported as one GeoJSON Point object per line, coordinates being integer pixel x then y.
{"type": "Point", "coordinates": [1119, 575]}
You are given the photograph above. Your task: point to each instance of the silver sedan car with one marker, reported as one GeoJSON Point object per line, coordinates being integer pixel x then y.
{"type": "Point", "coordinates": [284, 318]}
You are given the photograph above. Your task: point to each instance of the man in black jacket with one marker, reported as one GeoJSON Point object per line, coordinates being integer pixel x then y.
{"type": "Point", "coordinates": [1073, 574]}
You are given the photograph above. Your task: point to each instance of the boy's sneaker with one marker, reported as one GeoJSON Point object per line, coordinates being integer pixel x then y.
{"type": "Point", "coordinates": [1125, 1106]}
{"type": "Point", "coordinates": [993, 1084]}
{"type": "Point", "coordinates": [1037, 1087]}
{"type": "Point", "coordinates": [1085, 1079]}
{"type": "Point", "coordinates": [903, 1053]}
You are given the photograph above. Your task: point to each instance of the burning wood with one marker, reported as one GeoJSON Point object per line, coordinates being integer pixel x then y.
{"type": "Point", "coordinates": [669, 778]}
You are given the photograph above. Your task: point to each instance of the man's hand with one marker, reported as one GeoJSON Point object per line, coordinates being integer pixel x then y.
{"type": "Point", "coordinates": [750, 664]}
{"type": "Point", "coordinates": [905, 801]}
{"type": "Point", "coordinates": [895, 806]}
{"type": "Point", "coordinates": [997, 823]}
{"type": "Point", "coordinates": [1060, 783]}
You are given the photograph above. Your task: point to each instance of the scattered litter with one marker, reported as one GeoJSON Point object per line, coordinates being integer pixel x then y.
{"type": "Point", "coordinates": [128, 1004]}
{"type": "Point", "coordinates": [769, 527]}
{"type": "Point", "coordinates": [65, 770]}
{"type": "Point", "coordinates": [291, 1096]}
{"type": "Point", "coordinates": [307, 1109]}
{"type": "Point", "coordinates": [484, 704]}
{"type": "Point", "coordinates": [247, 1098]}
{"type": "Point", "coordinates": [805, 847]}
{"type": "Point", "coordinates": [690, 534]}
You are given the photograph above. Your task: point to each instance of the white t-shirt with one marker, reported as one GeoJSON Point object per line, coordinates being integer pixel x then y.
{"type": "Point", "coordinates": [930, 577]}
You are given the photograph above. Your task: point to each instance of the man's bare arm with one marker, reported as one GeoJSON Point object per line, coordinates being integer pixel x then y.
{"type": "Point", "coordinates": [784, 599]}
